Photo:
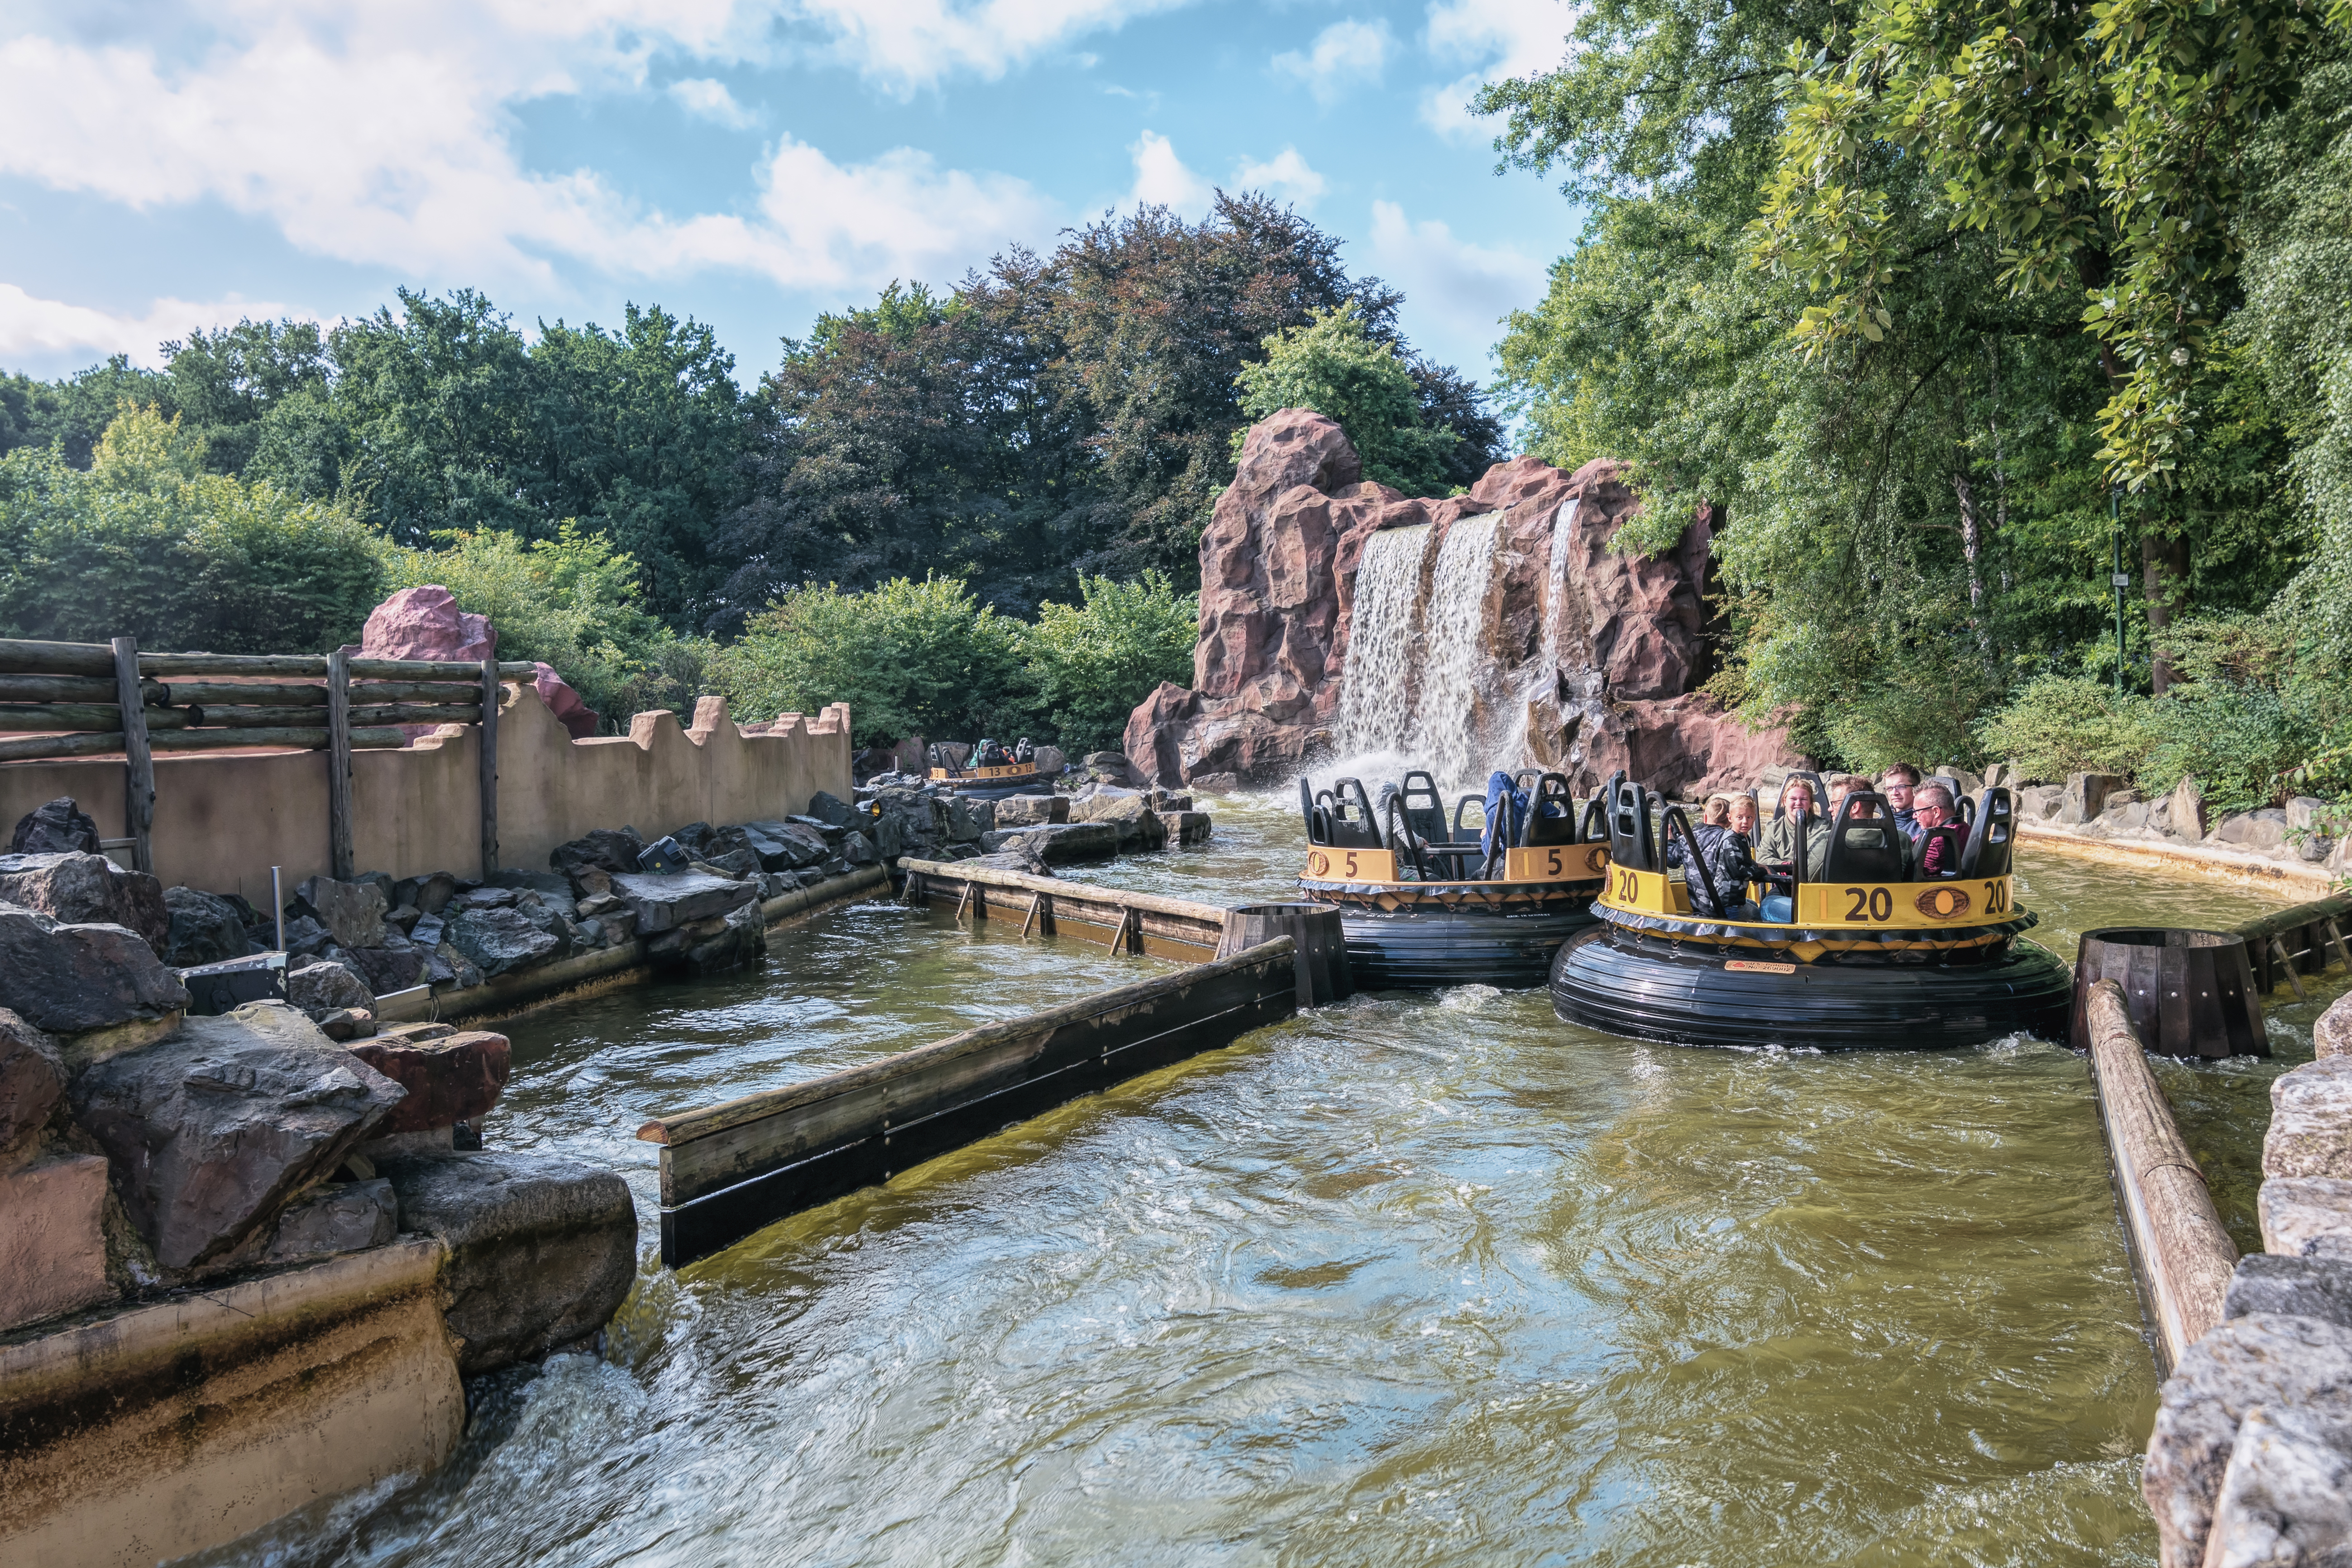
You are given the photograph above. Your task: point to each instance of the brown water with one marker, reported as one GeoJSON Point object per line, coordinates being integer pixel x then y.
{"type": "Point", "coordinates": [1409, 1279]}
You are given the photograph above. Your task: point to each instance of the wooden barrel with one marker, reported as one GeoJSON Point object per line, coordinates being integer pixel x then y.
{"type": "Point", "coordinates": [1323, 974]}
{"type": "Point", "coordinates": [2190, 993]}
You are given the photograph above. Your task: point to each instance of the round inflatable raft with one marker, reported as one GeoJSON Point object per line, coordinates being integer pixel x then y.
{"type": "Point", "coordinates": [995, 784]}
{"type": "Point", "coordinates": [1864, 962]}
{"type": "Point", "coordinates": [1427, 903]}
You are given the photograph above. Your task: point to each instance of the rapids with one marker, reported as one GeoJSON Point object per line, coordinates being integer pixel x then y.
{"type": "Point", "coordinates": [1407, 1280]}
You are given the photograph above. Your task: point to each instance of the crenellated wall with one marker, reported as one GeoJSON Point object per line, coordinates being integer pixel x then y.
{"type": "Point", "coordinates": [221, 822]}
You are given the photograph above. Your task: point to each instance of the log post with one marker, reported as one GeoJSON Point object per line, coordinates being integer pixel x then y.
{"type": "Point", "coordinates": [139, 758]}
{"type": "Point", "coordinates": [2287, 962]}
{"type": "Point", "coordinates": [1316, 930]}
{"type": "Point", "coordinates": [491, 692]}
{"type": "Point", "coordinates": [339, 767]}
{"type": "Point", "coordinates": [2181, 1255]}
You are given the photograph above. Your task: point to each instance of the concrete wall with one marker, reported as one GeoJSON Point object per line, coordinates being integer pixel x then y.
{"type": "Point", "coordinates": [221, 822]}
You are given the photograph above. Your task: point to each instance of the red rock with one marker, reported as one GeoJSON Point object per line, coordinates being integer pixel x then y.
{"type": "Point", "coordinates": [425, 622]}
{"type": "Point", "coordinates": [577, 718]}
{"type": "Point", "coordinates": [1593, 672]}
{"type": "Point", "coordinates": [456, 1077]}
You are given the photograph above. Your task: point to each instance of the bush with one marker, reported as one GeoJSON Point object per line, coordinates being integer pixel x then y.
{"type": "Point", "coordinates": [146, 543]}
{"type": "Point", "coordinates": [570, 602]}
{"type": "Point", "coordinates": [1334, 366]}
{"type": "Point", "coordinates": [909, 658]}
{"type": "Point", "coordinates": [2253, 717]}
{"type": "Point", "coordinates": [2059, 724]}
{"type": "Point", "coordinates": [1091, 663]}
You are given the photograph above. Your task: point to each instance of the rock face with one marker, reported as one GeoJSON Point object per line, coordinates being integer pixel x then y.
{"type": "Point", "coordinates": [60, 828]}
{"type": "Point", "coordinates": [448, 1079]}
{"type": "Point", "coordinates": [32, 1083]}
{"type": "Point", "coordinates": [2306, 1217]}
{"type": "Point", "coordinates": [211, 1130]}
{"type": "Point", "coordinates": [70, 979]}
{"type": "Point", "coordinates": [1031, 810]}
{"type": "Point", "coordinates": [2332, 1034]}
{"type": "Point", "coordinates": [1055, 843]}
{"type": "Point", "coordinates": [345, 1216]}
{"type": "Point", "coordinates": [541, 1250]}
{"type": "Point", "coordinates": [2299, 1287]}
{"type": "Point", "coordinates": [1590, 656]}
{"type": "Point", "coordinates": [205, 928]}
{"type": "Point", "coordinates": [2311, 1107]}
{"type": "Point", "coordinates": [2286, 1497]}
{"type": "Point", "coordinates": [88, 890]}
{"type": "Point", "coordinates": [663, 901]}
{"type": "Point", "coordinates": [52, 1250]}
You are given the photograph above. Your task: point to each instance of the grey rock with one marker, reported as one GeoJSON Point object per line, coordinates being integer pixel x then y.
{"type": "Point", "coordinates": [2184, 816]}
{"type": "Point", "coordinates": [2087, 796]}
{"type": "Point", "coordinates": [1187, 826]}
{"type": "Point", "coordinates": [733, 941]}
{"type": "Point", "coordinates": [592, 933]}
{"type": "Point", "coordinates": [390, 969]}
{"type": "Point", "coordinates": [432, 894]}
{"type": "Point", "coordinates": [1215, 784]}
{"type": "Point", "coordinates": [306, 937]}
{"type": "Point", "coordinates": [205, 929]}
{"type": "Point", "coordinates": [831, 809]}
{"type": "Point", "coordinates": [481, 898]}
{"type": "Point", "coordinates": [2286, 1497]}
{"type": "Point", "coordinates": [500, 940]}
{"type": "Point", "coordinates": [542, 1250]}
{"type": "Point", "coordinates": [352, 912]}
{"type": "Point", "coordinates": [404, 917]}
{"type": "Point", "coordinates": [601, 904]}
{"type": "Point", "coordinates": [88, 890]}
{"type": "Point", "coordinates": [2295, 1287]}
{"type": "Point", "coordinates": [2304, 815]}
{"type": "Point", "coordinates": [1138, 825]}
{"type": "Point", "coordinates": [1167, 800]}
{"type": "Point", "coordinates": [546, 884]}
{"type": "Point", "coordinates": [612, 850]}
{"type": "Point", "coordinates": [660, 901]}
{"type": "Point", "coordinates": [448, 966]}
{"type": "Point", "coordinates": [968, 818]}
{"type": "Point", "coordinates": [211, 1130]}
{"type": "Point", "coordinates": [32, 1084]}
{"type": "Point", "coordinates": [1022, 857]}
{"type": "Point", "coordinates": [2129, 818]}
{"type": "Point", "coordinates": [320, 988]}
{"type": "Point", "coordinates": [70, 979]}
{"type": "Point", "coordinates": [889, 838]}
{"type": "Point", "coordinates": [2256, 831]}
{"type": "Point", "coordinates": [1057, 845]}
{"type": "Point", "coordinates": [2311, 1120]}
{"type": "Point", "coordinates": [60, 828]}
{"type": "Point", "coordinates": [2263, 1359]}
{"type": "Point", "coordinates": [2331, 1035]}
{"type": "Point", "coordinates": [2306, 1217]}
{"type": "Point", "coordinates": [348, 1216]}
{"type": "Point", "coordinates": [1031, 810]}
{"type": "Point", "coordinates": [739, 863]}
{"type": "Point", "coordinates": [427, 932]}
{"type": "Point", "coordinates": [858, 850]}
{"type": "Point", "coordinates": [802, 844]}
{"type": "Point", "coordinates": [1051, 762]}
{"type": "Point", "coordinates": [2036, 803]}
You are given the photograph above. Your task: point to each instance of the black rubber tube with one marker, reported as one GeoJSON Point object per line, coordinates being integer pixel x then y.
{"type": "Point", "coordinates": [1426, 951]}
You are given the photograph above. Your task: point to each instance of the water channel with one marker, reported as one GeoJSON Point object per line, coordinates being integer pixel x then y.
{"type": "Point", "coordinates": [1407, 1280]}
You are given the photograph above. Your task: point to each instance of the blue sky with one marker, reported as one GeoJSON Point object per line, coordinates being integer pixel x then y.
{"type": "Point", "coordinates": [165, 165]}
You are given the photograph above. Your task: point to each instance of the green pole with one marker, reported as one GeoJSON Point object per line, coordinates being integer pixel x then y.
{"type": "Point", "coordinates": [2121, 579]}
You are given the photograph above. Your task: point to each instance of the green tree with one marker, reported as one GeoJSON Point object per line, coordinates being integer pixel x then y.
{"type": "Point", "coordinates": [1092, 662]}
{"type": "Point", "coordinates": [1333, 366]}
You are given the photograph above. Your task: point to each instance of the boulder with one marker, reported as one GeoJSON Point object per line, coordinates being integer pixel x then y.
{"type": "Point", "coordinates": [351, 913]}
{"type": "Point", "coordinates": [612, 850]}
{"type": "Point", "coordinates": [430, 894]}
{"type": "Point", "coordinates": [323, 986]}
{"type": "Point", "coordinates": [347, 1024]}
{"type": "Point", "coordinates": [425, 622]}
{"type": "Point", "coordinates": [2331, 1035]}
{"type": "Point", "coordinates": [858, 850]}
{"type": "Point", "coordinates": [738, 941]}
{"type": "Point", "coordinates": [2298, 1287]}
{"type": "Point", "coordinates": [2260, 831]}
{"type": "Point", "coordinates": [542, 1250]}
{"type": "Point", "coordinates": [60, 828]}
{"type": "Point", "coordinates": [1138, 825]}
{"type": "Point", "coordinates": [660, 901]}
{"type": "Point", "coordinates": [2240, 1363]}
{"type": "Point", "coordinates": [72, 979]}
{"type": "Point", "coordinates": [968, 818]}
{"type": "Point", "coordinates": [1050, 762]}
{"type": "Point", "coordinates": [502, 939]}
{"type": "Point", "coordinates": [787, 846]}
{"type": "Point", "coordinates": [307, 938]}
{"type": "Point", "coordinates": [2311, 1120]}
{"type": "Point", "coordinates": [2185, 815]}
{"type": "Point", "coordinates": [88, 890]}
{"type": "Point", "coordinates": [448, 1079]}
{"type": "Point", "coordinates": [205, 929]}
{"type": "Point", "coordinates": [2306, 818]}
{"type": "Point", "coordinates": [1185, 826]}
{"type": "Point", "coordinates": [447, 966]}
{"type": "Point", "coordinates": [52, 1243]}
{"type": "Point", "coordinates": [1216, 783]}
{"type": "Point", "coordinates": [388, 970]}
{"type": "Point", "coordinates": [32, 1085]}
{"type": "Point", "coordinates": [2306, 1217]}
{"type": "Point", "coordinates": [2287, 1496]}
{"type": "Point", "coordinates": [2087, 796]}
{"type": "Point", "coordinates": [342, 1217]}
{"type": "Point", "coordinates": [831, 809]}
{"type": "Point", "coordinates": [213, 1129]}
{"type": "Point", "coordinates": [1057, 844]}
{"type": "Point", "coordinates": [1029, 810]}
{"type": "Point", "coordinates": [567, 706]}
{"type": "Point", "coordinates": [2039, 803]}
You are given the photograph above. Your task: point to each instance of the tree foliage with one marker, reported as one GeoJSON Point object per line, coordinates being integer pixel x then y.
{"type": "Point", "coordinates": [1090, 663]}
{"type": "Point", "coordinates": [1334, 366]}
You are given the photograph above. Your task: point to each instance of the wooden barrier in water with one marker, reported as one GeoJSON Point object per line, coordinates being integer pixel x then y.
{"type": "Point", "coordinates": [1112, 917]}
{"type": "Point", "coordinates": [2296, 942]}
{"type": "Point", "coordinates": [2181, 1255]}
{"type": "Point", "coordinates": [731, 1169]}
{"type": "Point", "coordinates": [2190, 993]}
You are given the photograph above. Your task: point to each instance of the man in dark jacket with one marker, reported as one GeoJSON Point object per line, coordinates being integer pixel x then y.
{"type": "Point", "coordinates": [1942, 835]}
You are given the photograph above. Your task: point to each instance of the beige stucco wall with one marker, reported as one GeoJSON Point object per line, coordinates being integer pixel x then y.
{"type": "Point", "coordinates": [222, 822]}
{"type": "Point", "coordinates": [168, 1428]}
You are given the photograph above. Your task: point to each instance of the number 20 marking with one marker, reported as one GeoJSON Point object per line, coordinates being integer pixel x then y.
{"type": "Point", "coordinates": [1872, 903]}
{"type": "Point", "coordinates": [1995, 897]}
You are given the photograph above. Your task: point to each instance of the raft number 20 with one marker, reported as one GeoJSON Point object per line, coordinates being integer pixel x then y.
{"type": "Point", "coordinates": [1871, 903]}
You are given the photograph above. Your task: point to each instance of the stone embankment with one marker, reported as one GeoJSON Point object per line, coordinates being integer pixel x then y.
{"type": "Point", "coordinates": [2286, 843]}
{"type": "Point", "coordinates": [2250, 1459]}
{"type": "Point", "coordinates": [1097, 810]}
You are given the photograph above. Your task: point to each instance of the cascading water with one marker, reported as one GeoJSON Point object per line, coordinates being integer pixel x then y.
{"type": "Point", "coordinates": [1376, 693]}
{"type": "Point", "coordinates": [1455, 659]}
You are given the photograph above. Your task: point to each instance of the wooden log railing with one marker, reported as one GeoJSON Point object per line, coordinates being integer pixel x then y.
{"type": "Point", "coordinates": [2293, 942]}
{"type": "Point", "coordinates": [2181, 1255]}
{"type": "Point", "coordinates": [62, 700]}
{"type": "Point", "coordinates": [1126, 921]}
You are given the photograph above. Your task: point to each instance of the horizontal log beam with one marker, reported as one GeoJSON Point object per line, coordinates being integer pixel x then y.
{"type": "Point", "coordinates": [436, 670]}
{"type": "Point", "coordinates": [246, 693]}
{"type": "Point", "coordinates": [954, 873]}
{"type": "Point", "coordinates": [75, 689]}
{"type": "Point", "coordinates": [417, 713]}
{"type": "Point", "coordinates": [27, 657]}
{"type": "Point", "coordinates": [104, 719]}
{"type": "Point", "coordinates": [66, 748]}
{"type": "Point", "coordinates": [2333, 908]}
{"type": "Point", "coordinates": [461, 692]}
{"type": "Point", "coordinates": [200, 664]}
{"type": "Point", "coordinates": [19, 655]}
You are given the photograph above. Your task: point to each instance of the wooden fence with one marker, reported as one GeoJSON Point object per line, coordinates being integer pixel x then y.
{"type": "Point", "coordinates": [61, 700]}
{"type": "Point", "coordinates": [2301, 941]}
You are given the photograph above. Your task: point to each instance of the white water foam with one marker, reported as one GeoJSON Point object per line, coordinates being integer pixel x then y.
{"type": "Point", "coordinates": [1454, 654]}
{"type": "Point", "coordinates": [1376, 693]}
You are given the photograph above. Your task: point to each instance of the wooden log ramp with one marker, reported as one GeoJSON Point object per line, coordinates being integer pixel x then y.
{"type": "Point", "coordinates": [731, 1169]}
{"type": "Point", "coordinates": [2181, 1255]}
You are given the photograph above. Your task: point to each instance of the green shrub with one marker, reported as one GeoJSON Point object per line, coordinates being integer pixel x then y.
{"type": "Point", "coordinates": [1334, 366]}
{"type": "Point", "coordinates": [2254, 716]}
{"type": "Point", "coordinates": [146, 543]}
{"type": "Point", "coordinates": [2059, 724]}
{"type": "Point", "coordinates": [1091, 663]}
{"type": "Point", "coordinates": [570, 602]}
{"type": "Point", "coordinates": [910, 658]}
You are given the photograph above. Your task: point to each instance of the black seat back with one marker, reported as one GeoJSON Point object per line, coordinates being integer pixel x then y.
{"type": "Point", "coordinates": [1866, 847]}
{"type": "Point", "coordinates": [1632, 842]}
{"type": "Point", "coordinates": [1675, 828]}
{"type": "Point", "coordinates": [1352, 826]}
{"type": "Point", "coordinates": [1470, 835]}
{"type": "Point", "coordinates": [1318, 828]}
{"type": "Point", "coordinates": [1821, 793]}
{"type": "Point", "coordinates": [1991, 836]}
{"type": "Point", "coordinates": [1552, 816]}
{"type": "Point", "coordinates": [1424, 808]}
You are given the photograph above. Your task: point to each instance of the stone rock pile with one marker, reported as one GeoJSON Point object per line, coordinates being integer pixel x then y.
{"type": "Point", "coordinates": [2104, 806]}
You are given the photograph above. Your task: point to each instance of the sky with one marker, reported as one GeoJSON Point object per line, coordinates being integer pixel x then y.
{"type": "Point", "coordinates": [166, 166]}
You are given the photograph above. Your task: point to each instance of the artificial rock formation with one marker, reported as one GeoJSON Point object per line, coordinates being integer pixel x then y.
{"type": "Point", "coordinates": [425, 622]}
{"type": "Point", "coordinates": [1590, 656]}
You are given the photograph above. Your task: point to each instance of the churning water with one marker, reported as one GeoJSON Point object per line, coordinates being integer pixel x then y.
{"type": "Point", "coordinates": [1428, 1280]}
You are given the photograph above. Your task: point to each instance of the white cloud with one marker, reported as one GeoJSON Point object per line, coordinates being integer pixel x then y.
{"type": "Point", "coordinates": [1162, 178]}
{"type": "Point", "coordinates": [1346, 55]}
{"type": "Point", "coordinates": [1501, 39]}
{"type": "Point", "coordinates": [32, 327]}
{"type": "Point", "coordinates": [1284, 174]}
{"type": "Point", "coordinates": [706, 98]}
{"type": "Point", "coordinates": [906, 45]}
{"type": "Point", "coordinates": [1455, 292]}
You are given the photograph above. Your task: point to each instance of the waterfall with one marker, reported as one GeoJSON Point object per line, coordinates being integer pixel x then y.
{"type": "Point", "coordinates": [1376, 692]}
{"type": "Point", "coordinates": [1455, 654]}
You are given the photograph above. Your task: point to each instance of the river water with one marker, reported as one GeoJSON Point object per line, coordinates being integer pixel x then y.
{"type": "Point", "coordinates": [1407, 1280]}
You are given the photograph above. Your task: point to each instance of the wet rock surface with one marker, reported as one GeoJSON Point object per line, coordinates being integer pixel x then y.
{"type": "Point", "coordinates": [449, 1077]}
{"type": "Point", "coordinates": [343, 1217]}
{"type": "Point", "coordinates": [70, 979]}
{"type": "Point", "coordinates": [1061, 845]}
{"type": "Point", "coordinates": [542, 1250]}
{"type": "Point", "coordinates": [501, 938]}
{"type": "Point", "coordinates": [661, 902]}
{"type": "Point", "coordinates": [58, 827]}
{"type": "Point", "coordinates": [204, 928]}
{"type": "Point", "coordinates": [88, 890]}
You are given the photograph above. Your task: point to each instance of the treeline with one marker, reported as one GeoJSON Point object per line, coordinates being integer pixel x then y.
{"type": "Point", "coordinates": [1051, 418]}
{"type": "Point", "coordinates": [1939, 300]}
